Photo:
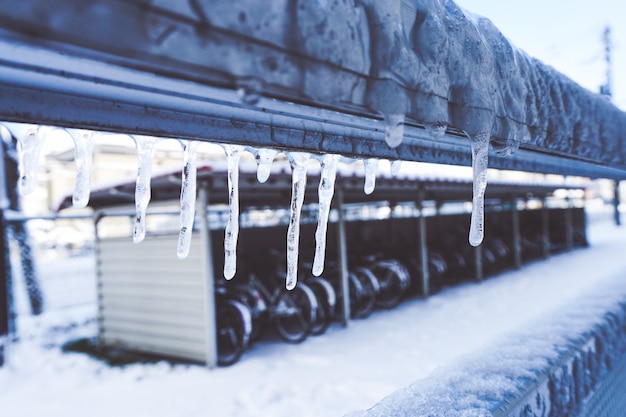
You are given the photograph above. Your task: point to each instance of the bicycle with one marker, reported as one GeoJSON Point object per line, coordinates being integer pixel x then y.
{"type": "Point", "coordinates": [233, 327]}
{"type": "Point", "coordinates": [292, 312]}
{"type": "Point", "coordinates": [394, 280]}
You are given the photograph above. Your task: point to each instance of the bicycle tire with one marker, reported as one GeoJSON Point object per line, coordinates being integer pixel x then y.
{"type": "Point", "coordinates": [326, 300]}
{"type": "Point", "coordinates": [234, 325]}
{"type": "Point", "coordinates": [253, 299]}
{"type": "Point", "coordinates": [294, 324]}
{"type": "Point", "coordinates": [365, 294]}
{"type": "Point", "coordinates": [394, 281]}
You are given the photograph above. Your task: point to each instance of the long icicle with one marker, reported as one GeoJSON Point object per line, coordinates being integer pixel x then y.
{"type": "Point", "coordinates": [480, 160]}
{"type": "Point", "coordinates": [146, 146]}
{"type": "Point", "coordinates": [84, 141]}
{"type": "Point", "coordinates": [233, 154]}
{"type": "Point", "coordinates": [298, 162]}
{"type": "Point", "coordinates": [325, 193]}
{"type": "Point", "coordinates": [371, 166]}
{"type": "Point", "coordinates": [187, 197]}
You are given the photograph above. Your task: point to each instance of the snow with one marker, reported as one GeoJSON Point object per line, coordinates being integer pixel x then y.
{"type": "Point", "coordinates": [344, 370]}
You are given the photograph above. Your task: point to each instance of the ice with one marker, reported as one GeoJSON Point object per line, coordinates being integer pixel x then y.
{"type": "Point", "coordinates": [146, 146]}
{"type": "Point", "coordinates": [84, 141]}
{"type": "Point", "coordinates": [325, 193]}
{"type": "Point", "coordinates": [395, 167]}
{"type": "Point", "coordinates": [298, 161]}
{"type": "Point", "coordinates": [233, 154]}
{"type": "Point", "coordinates": [264, 158]}
{"type": "Point", "coordinates": [249, 90]}
{"type": "Point", "coordinates": [371, 167]}
{"type": "Point", "coordinates": [480, 148]}
{"type": "Point", "coordinates": [394, 129]}
{"type": "Point", "coordinates": [30, 140]}
{"type": "Point", "coordinates": [187, 197]}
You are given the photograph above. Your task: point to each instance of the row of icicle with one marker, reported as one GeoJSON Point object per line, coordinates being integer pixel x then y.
{"type": "Point", "coordinates": [30, 139]}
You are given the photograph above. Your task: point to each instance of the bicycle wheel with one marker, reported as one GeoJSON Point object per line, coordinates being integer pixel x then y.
{"type": "Point", "coordinates": [394, 280]}
{"type": "Point", "coordinates": [234, 325]}
{"type": "Point", "coordinates": [326, 300]}
{"type": "Point", "coordinates": [364, 293]}
{"type": "Point", "coordinates": [294, 313]}
{"type": "Point", "coordinates": [253, 299]}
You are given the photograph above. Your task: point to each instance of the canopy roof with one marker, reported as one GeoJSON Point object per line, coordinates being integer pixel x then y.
{"type": "Point", "coordinates": [276, 191]}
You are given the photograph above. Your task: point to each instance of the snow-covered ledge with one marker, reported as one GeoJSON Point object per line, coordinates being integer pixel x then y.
{"type": "Point", "coordinates": [560, 365]}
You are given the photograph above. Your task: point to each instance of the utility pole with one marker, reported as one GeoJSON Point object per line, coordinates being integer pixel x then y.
{"type": "Point", "coordinates": [607, 90]}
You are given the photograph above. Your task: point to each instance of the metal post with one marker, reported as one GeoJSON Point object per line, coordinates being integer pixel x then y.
{"type": "Point", "coordinates": [209, 277]}
{"type": "Point", "coordinates": [569, 226]}
{"type": "Point", "coordinates": [343, 257]}
{"type": "Point", "coordinates": [616, 202]}
{"type": "Point", "coordinates": [5, 273]}
{"type": "Point", "coordinates": [517, 241]}
{"type": "Point", "coordinates": [4, 291]}
{"type": "Point", "coordinates": [423, 246]}
{"type": "Point", "coordinates": [478, 257]}
{"type": "Point", "coordinates": [545, 228]}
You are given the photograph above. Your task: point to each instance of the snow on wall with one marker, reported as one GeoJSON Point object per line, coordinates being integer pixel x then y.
{"type": "Point", "coordinates": [551, 368]}
{"type": "Point", "coordinates": [426, 60]}
{"type": "Point", "coordinates": [429, 60]}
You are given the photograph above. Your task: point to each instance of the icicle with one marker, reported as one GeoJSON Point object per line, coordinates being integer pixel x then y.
{"type": "Point", "coordinates": [371, 166]}
{"type": "Point", "coordinates": [436, 130]}
{"type": "Point", "coordinates": [394, 129]}
{"type": "Point", "coordinates": [146, 146]}
{"type": "Point", "coordinates": [250, 90]}
{"type": "Point", "coordinates": [187, 197]}
{"type": "Point", "coordinates": [233, 153]}
{"type": "Point", "coordinates": [395, 167]}
{"type": "Point", "coordinates": [264, 159]}
{"type": "Point", "coordinates": [83, 155]}
{"type": "Point", "coordinates": [480, 148]}
{"type": "Point", "coordinates": [325, 193]}
{"type": "Point", "coordinates": [298, 162]}
{"type": "Point", "coordinates": [30, 140]}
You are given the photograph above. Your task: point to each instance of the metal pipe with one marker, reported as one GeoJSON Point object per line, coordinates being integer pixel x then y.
{"type": "Point", "coordinates": [209, 277]}
{"type": "Point", "coordinates": [616, 202]}
{"type": "Point", "coordinates": [478, 257]}
{"type": "Point", "coordinates": [5, 298]}
{"type": "Point", "coordinates": [82, 93]}
{"type": "Point", "coordinates": [423, 245]}
{"type": "Point", "coordinates": [343, 257]}
{"type": "Point", "coordinates": [569, 226]}
{"type": "Point", "coordinates": [517, 240]}
{"type": "Point", "coordinates": [545, 228]}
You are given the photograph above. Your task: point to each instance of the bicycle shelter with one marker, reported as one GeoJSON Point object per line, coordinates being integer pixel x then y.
{"type": "Point", "coordinates": [151, 301]}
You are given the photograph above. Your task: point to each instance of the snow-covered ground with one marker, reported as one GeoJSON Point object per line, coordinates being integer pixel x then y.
{"type": "Point", "coordinates": [343, 370]}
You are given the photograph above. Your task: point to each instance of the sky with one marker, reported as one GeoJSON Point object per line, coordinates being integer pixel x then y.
{"type": "Point", "coordinates": [565, 35]}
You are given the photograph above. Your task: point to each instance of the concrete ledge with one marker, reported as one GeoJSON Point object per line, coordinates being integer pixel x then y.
{"type": "Point", "coordinates": [568, 364]}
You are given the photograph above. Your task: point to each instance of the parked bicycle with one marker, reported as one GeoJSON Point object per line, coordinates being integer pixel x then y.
{"type": "Point", "coordinates": [234, 326]}
{"type": "Point", "coordinates": [291, 312]}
